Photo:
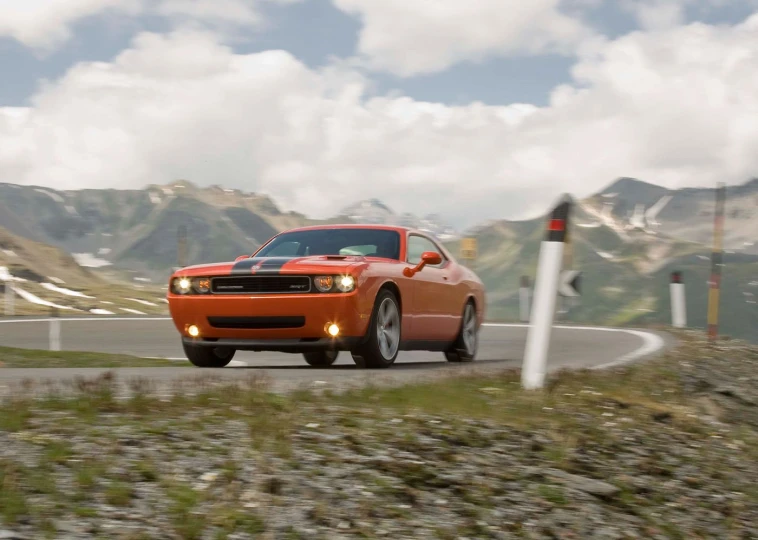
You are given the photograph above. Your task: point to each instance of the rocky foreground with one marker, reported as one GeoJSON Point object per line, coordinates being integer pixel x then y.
{"type": "Point", "coordinates": [664, 449]}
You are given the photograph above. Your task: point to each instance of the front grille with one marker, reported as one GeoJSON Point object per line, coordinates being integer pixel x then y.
{"type": "Point", "coordinates": [261, 285]}
{"type": "Point", "coordinates": [257, 323]}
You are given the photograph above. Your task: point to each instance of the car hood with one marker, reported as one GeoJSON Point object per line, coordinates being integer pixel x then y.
{"type": "Point", "coordinates": [277, 265]}
{"type": "Point", "coordinates": [330, 261]}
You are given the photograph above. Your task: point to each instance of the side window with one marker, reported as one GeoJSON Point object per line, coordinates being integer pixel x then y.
{"type": "Point", "coordinates": [418, 245]}
{"type": "Point", "coordinates": [285, 249]}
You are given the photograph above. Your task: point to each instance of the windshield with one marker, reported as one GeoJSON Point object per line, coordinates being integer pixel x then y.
{"type": "Point", "coordinates": [347, 241]}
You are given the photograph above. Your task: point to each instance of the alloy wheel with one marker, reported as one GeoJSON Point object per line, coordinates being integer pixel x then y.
{"type": "Point", "coordinates": [469, 329]}
{"type": "Point", "coordinates": [388, 328]}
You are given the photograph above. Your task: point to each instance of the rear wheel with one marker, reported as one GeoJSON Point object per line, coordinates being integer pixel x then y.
{"type": "Point", "coordinates": [321, 358]}
{"type": "Point", "coordinates": [467, 343]}
{"type": "Point", "coordinates": [208, 357]}
{"type": "Point", "coordinates": [383, 344]}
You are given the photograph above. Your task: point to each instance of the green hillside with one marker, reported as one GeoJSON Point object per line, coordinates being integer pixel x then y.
{"type": "Point", "coordinates": [211, 236]}
{"type": "Point", "coordinates": [737, 317]}
{"type": "Point", "coordinates": [631, 288]}
{"type": "Point", "coordinates": [42, 275]}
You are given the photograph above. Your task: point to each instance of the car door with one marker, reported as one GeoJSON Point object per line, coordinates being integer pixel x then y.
{"type": "Point", "coordinates": [431, 317]}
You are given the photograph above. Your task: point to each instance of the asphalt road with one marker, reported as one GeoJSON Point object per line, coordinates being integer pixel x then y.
{"type": "Point", "coordinates": [501, 346]}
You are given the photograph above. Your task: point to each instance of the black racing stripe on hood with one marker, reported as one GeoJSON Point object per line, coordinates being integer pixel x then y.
{"type": "Point", "coordinates": [268, 265]}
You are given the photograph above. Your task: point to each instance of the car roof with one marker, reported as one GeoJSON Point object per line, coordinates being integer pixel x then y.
{"type": "Point", "coordinates": [397, 228]}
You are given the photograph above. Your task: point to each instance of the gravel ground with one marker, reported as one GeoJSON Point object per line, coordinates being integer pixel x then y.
{"type": "Point", "coordinates": [665, 449]}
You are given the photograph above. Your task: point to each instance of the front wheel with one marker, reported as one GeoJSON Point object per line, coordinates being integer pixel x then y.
{"type": "Point", "coordinates": [321, 358]}
{"type": "Point", "coordinates": [383, 343]}
{"type": "Point", "coordinates": [208, 357]}
{"type": "Point", "coordinates": [467, 343]}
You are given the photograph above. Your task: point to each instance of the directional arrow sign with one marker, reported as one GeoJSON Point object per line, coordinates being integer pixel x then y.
{"type": "Point", "coordinates": [569, 283]}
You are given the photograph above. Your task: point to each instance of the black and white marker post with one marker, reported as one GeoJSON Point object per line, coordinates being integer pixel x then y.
{"type": "Point", "coordinates": [55, 330]}
{"type": "Point", "coordinates": [678, 302]}
{"type": "Point", "coordinates": [524, 299]}
{"type": "Point", "coordinates": [545, 297]}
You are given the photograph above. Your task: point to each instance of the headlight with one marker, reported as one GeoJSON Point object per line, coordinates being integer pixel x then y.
{"type": "Point", "coordinates": [181, 285]}
{"type": "Point", "coordinates": [343, 284]}
{"type": "Point", "coordinates": [186, 285]}
{"type": "Point", "coordinates": [323, 283]}
{"type": "Point", "coordinates": [346, 283]}
{"type": "Point", "coordinates": [201, 285]}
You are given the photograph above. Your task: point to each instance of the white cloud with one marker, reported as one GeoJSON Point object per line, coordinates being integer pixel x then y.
{"type": "Point", "coordinates": [425, 36]}
{"type": "Point", "coordinates": [658, 14]}
{"type": "Point", "coordinates": [46, 24]}
{"type": "Point", "coordinates": [674, 107]}
{"type": "Point", "coordinates": [666, 14]}
{"type": "Point", "coordinates": [213, 10]}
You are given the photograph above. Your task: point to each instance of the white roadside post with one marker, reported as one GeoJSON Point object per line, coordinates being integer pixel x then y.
{"type": "Point", "coordinates": [524, 299]}
{"type": "Point", "coordinates": [678, 302]}
{"type": "Point", "coordinates": [545, 296]}
{"type": "Point", "coordinates": [55, 331]}
{"type": "Point", "coordinates": [9, 300]}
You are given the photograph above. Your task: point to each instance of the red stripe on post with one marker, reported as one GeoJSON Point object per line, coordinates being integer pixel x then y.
{"type": "Point", "coordinates": [557, 225]}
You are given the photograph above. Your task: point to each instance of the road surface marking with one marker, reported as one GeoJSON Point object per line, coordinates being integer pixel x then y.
{"type": "Point", "coordinates": [652, 343]}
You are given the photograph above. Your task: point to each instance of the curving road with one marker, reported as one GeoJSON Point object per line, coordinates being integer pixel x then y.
{"type": "Point", "coordinates": [501, 346]}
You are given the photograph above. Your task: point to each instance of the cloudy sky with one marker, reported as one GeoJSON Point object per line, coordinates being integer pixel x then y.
{"type": "Point", "coordinates": [474, 109]}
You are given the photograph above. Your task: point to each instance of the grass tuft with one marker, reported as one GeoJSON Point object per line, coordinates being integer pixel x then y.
{"type": "Point", "coordinates": [11, 357]}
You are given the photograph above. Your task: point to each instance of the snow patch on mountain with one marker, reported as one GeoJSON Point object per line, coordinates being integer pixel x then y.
{"type": "Point", "coordinates": [89, 260]}
{"type": "Point", "coordinates": [375, 212]}
{"type": "Point", "coordinates": [53, 196]}
{"type": "Point", "coordinates": [61, 290]}
{"type": "Point", "coordinates": [29, 297]}
{"type": "Point", "coordinates": [5, 275]}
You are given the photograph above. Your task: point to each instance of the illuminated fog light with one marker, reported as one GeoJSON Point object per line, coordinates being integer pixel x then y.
{"type": "Point", "coordinates": [193, 331]}
{"type": "Point", "coordinates": [333, 330]}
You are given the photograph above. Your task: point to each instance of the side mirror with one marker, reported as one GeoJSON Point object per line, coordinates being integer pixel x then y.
{"type": "Point", "coordinates": [431, 257]}
{"type": "Point", "coordinates": [427, 257]}
{"type": "Point", "coordinates": [241, 258]}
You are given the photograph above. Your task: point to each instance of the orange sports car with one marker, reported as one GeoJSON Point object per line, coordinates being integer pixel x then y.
{"type": "Point", "coordinates": [369, 289]}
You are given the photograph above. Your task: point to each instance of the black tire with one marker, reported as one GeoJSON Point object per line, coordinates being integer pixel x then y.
{"type": "Point", "coordinates": [321, 358]}
{"type": "Point", "coordinates": [466, 345]}
{"type": "Point", "coordinates": [209, 357]}
{"type": "Point", "coordinates": [376, 353]}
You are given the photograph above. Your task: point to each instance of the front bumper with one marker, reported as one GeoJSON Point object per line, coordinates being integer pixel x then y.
{"type": "Point", "coordinates": [270, 322]}
{"type": "Point", "coordinates": [277, 345]}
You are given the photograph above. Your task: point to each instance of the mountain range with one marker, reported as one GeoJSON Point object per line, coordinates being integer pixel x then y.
{"type": "Point", "coordinates": [626, 239]}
